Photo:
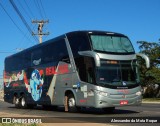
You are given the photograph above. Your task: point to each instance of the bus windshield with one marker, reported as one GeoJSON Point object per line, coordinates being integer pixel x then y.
{"type": "Point", "coordinates": [114, 44]}
{"type": "Point", "coordinates": [117, 73]}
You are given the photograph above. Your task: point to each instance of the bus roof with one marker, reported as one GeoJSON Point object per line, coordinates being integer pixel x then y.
{"type": "Point", "coordinates": [95, 32]}
{"type": "Point", "coordinates": [66, 34]}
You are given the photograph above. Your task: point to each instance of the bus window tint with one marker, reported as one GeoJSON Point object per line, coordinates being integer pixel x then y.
{"type": "Point", "coordinates": [116, 44]}
{"type": "Point", "coordinates": [55, 52]}
{"type": "Point", "coordinates": [85, 67]}
{"type": "Point", "coordinates": [78, 43]}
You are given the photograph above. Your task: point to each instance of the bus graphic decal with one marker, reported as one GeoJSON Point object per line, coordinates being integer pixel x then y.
{"type": "Point", "coordinates": [36, 83]}
{"type": "Point", "coordinates": [13, 77]}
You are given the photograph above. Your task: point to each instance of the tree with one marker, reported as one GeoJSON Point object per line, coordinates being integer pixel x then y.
{"type": "Point", "coordinates": [150, 76]}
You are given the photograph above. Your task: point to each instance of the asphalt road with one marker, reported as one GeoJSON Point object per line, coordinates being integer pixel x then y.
{"type": "Point", "coordinates": [140, 113]}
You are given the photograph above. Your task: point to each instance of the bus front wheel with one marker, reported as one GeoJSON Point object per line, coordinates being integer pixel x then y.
{"type": "Point", "coordinates": [71, 103]}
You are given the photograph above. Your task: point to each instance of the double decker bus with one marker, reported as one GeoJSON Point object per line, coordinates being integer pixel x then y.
{"type": "Point", "coordinates": [78, 69]}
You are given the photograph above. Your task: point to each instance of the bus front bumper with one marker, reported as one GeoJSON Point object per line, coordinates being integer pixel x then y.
{"type": "Point", "coordinates": [121, 100]}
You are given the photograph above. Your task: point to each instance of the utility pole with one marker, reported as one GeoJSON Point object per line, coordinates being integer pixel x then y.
{"type": "Point", "coordinates": [40, 29]}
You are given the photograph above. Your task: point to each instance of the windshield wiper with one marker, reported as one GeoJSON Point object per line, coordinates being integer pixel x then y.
{"type": "Point", "coordinates": [116, 80]}
{"type": "Point", "coordinates": [104, 83]}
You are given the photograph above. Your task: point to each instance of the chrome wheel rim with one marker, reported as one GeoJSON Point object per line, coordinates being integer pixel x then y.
{"type": "Point", "coordinates": [71, 102]}
{"type": "Point", "coordinates": [23, 102]}
{"type": "Point", "coordinates": [16, 101]}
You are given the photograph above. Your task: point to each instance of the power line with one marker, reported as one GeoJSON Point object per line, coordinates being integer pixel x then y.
{"type": "Point", "coordinates": [40, 23]}
{"type": "Point", "coordinates": [24, 9]}
{"type": "Point", "coordinates": [30, 12]}
{"type": "Point", "coordinates": [20, 15]}
{"type": "Point", "coordinates": [22, 18]}
{"type": "Point", "coordinates": [43, 9]}
{"type": "Point", "coordinates": [28, 15]}
{"type": "Point", "coordinates": [29, 8]}
{"type": "Point", "coordinates": [40, 29]}
{"type": "Point", "coordinates": [13, 20]}
{"type": "Point", "coordinates": [6, 52]}
{"type": "Point", "coordinates": [22, 42]}
{"type": "Point", "coordinates": [10, 18]}
{"type": "Point", "coordinates": [38, 8]}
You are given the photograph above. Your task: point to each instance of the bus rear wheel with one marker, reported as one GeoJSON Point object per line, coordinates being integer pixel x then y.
{"type": "Point", "coordinates": [23, 102]}
{"type": "Point", "coordinates": [16, 102]}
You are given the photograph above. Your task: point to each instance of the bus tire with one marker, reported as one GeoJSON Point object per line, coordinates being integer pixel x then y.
{"type": "Point", "coordinates": [71, 103]}
{"type": "Point", "coordinates": [16, 102]}
{"type": "Point", "coordinates": [23, 103]}
{"type": "Point", "coordinates": [109, 109]}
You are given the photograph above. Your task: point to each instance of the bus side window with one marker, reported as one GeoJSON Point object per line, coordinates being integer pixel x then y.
{"type": "Point", "coordinates": [15, 63]}
{"type": "Point", "coordinates": [50, 54]}
{"type": "Point", "coordinates": [55, 52]}
{"type": "Point", "coordinates": [26, 59]}
{"type": "Point", "coordinates": [85, 67]}
{"type": "Point", "coordinates": [78, 43]}
{"type": "Point", "coordinates": [62, 51]}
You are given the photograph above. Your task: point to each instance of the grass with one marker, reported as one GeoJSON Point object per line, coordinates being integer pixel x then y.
{"type": "Point", "coordinates": [151, 99]}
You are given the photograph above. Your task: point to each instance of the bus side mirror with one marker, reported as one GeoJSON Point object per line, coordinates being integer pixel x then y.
{"type": "Point", "coordinates": [146, 58]}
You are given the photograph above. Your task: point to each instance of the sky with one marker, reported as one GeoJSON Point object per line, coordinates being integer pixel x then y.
{"type": "Point", "coordinates": [138, 19]}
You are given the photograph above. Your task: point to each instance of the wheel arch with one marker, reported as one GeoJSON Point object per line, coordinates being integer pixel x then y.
{"type": "Point", "coordinates": [70, 91]}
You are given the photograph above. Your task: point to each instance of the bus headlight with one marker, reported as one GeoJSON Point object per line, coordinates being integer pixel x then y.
{"type": "Point", "coordinates": [101, 93]}
{"type": "Point", "coordinates": [138, 93]}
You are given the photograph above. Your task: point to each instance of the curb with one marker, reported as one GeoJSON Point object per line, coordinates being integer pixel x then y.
{"type": "Point", "coordinates": [151, 102]}
{"type": "Point", "coordinates": [1, 99]}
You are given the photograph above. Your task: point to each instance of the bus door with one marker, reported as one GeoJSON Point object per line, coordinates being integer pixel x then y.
{"type": "Point", "coordinates": [86, 71]}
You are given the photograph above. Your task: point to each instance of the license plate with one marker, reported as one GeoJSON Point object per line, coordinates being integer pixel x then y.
{"type": "Point", "coordinates": [123, 102]}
